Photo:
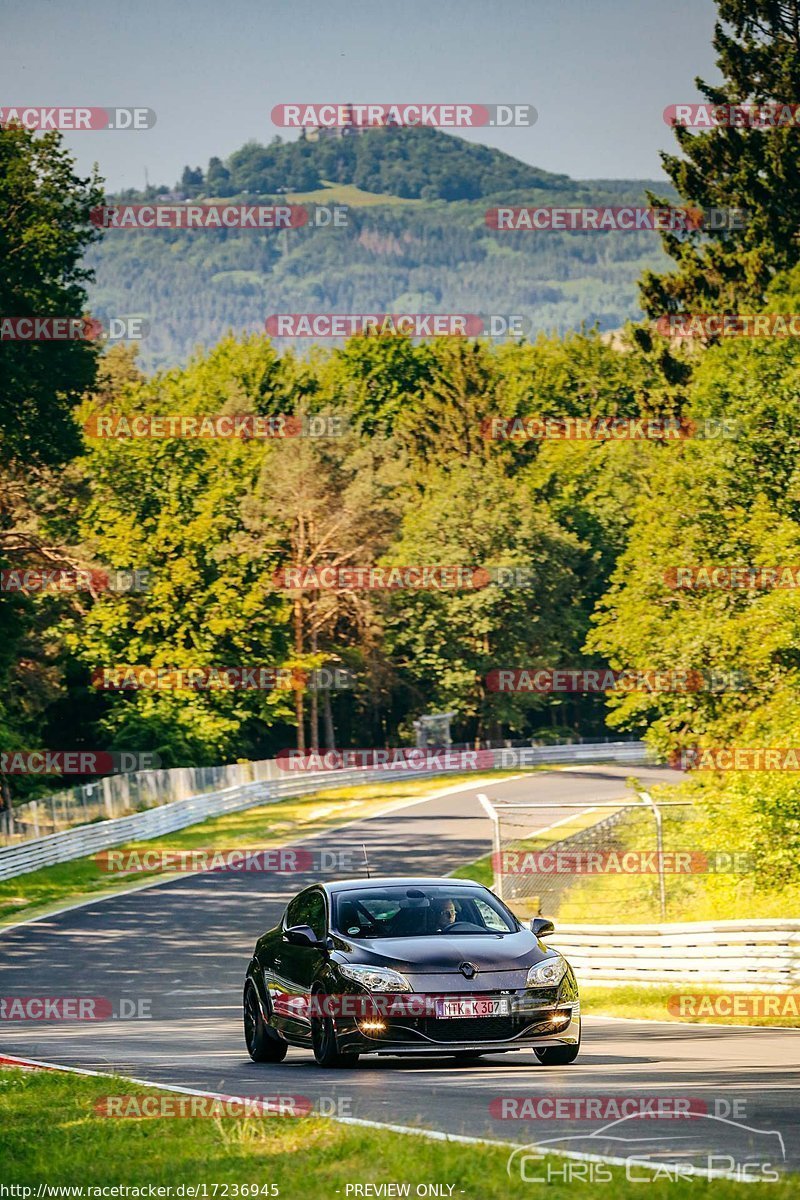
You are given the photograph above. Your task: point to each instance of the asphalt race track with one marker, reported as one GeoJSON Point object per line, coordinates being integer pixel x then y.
{"type": "Point", "coordinates": [179, 951]}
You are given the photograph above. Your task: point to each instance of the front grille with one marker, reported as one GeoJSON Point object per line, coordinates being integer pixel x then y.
{"type": "Point", "coordinates": [471, 1029]}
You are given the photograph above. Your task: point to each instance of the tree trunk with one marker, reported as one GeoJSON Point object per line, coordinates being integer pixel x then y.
{"type": "Point", "coordinates": [314, 702]}
{"type": "Point", "coordinates": [327, 717]}
{"type": "Point", "coordinates": [298, 695]}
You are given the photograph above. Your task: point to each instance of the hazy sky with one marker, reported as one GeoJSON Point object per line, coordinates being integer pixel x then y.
{"type": "Point", "coordinates": [599, 72]}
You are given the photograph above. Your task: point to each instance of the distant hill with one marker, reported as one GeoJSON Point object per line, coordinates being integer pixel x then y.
{"type": "Point", "coordinates": [415, 164]}
{"type": "Point", "coordinates": [416, 241]}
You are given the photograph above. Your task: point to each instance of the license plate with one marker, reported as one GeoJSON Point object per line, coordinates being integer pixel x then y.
{"type": "Point", "coordinates": [471, 1006]}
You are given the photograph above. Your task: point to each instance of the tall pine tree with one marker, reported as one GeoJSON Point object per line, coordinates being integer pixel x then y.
{"type": "Point", "coordinates": [755, 169]}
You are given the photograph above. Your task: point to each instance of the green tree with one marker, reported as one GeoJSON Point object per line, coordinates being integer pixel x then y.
{"type": "Point", "coordinates": [45, 228]}
{"type": "Point", "coordinates": [175, 507]}
{"type": "Point", "coordinates": [445, 642]}
{"type": "Point", "coordinates": [218, 178]}
{"type": "Point", "coordinates": [753, 169]}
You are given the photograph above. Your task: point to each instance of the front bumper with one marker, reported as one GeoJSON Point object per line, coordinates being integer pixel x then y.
{"type": "Point", "coordinates": [535, 1021]}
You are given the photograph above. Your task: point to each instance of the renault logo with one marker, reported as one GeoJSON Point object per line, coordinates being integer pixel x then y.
{"type": "Point", "coordinates": [468, 970]}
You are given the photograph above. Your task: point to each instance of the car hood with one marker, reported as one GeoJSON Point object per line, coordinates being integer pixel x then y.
{"type": "Point", "coordinates": [443, 953]}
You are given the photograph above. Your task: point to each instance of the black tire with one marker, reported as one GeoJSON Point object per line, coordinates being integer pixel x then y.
{"type": "Point", "coordinates": [263, 1044]}
{"type": "Point", "coordinates": [559, 1056]}
{"type": "Point", "coordinates": [326, 1051]}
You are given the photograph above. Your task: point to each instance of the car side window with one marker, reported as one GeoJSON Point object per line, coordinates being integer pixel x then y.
{"type": "Point", "coordinates": [490, 918]}
{"type": "Point", "coordinates": [291, 916]}
{"type": "Point", "coordinates": [308, 909]}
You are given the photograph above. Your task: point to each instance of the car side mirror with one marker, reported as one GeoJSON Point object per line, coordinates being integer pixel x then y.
{"type": "Point", "coordinates": [303, 935]}
{"type": "Point", "coordinates": [541, 926]}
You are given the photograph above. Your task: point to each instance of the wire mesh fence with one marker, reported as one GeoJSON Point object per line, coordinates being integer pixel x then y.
{"type": "Point", "coordinates": [604, 861]}
{"type": "Point", "coordinates": [111, 796]}
{"type": "Point", "coordinates": [114, 796]}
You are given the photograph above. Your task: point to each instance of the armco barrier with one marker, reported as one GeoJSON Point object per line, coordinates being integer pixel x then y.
{"type": "Point", "coordinates": [83, 840]}
{"type": "Point", "coordinates": [723, 955]}
{"type": "Point", "coordinates": [154, 822]}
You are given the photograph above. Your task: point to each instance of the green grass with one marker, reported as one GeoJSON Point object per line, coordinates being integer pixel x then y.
{"type": "Point", "coordinates": [346, 193]}
{"type": "Point", "coordinates": [267, 825]}
{"type": "Point", "coordinates": [652, 1004]}
{"type": "Point", "coordinates": [634, 899]}
{"type": "Point", "coordinates": [627, 899]}
{"type": "Point", "coordinates": [50, 1133]}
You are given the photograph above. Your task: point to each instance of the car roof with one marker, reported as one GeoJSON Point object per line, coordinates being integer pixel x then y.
{"type": "Point", "coordinates": [347, 885]}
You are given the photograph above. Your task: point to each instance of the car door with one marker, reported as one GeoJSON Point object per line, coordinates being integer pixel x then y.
{"type": "Point", "coordinates": [297, 966]}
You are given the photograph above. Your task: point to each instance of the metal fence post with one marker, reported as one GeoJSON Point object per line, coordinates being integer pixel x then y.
{"type": "Point", "coordinates": [497, 863]}
{"type": "Point", "coordinates": [662, 891]}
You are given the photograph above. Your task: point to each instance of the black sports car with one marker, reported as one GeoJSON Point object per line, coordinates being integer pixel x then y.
{"type": "Point", "coordinates": [408, 966]}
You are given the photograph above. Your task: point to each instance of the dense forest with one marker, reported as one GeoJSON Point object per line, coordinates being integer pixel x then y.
{"type": "Point", "coordinates": [416, 164]}
{"type": "Point", "coordinates": [406, 475]}
{"type": "Point", "coordinates": [425, 247]}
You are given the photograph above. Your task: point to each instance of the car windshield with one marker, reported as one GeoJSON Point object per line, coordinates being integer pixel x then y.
{"type": "Point", "coordinates": [419, 911]}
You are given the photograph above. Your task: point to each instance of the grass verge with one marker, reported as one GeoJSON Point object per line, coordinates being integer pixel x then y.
{"type": "Point", "coordinates": [653, 1004]}
{"type": "Point", "coordinates": [267, 825]}
{"type": "Point", "coordinates": [50, 1133]}
{"type": "Point", "coordinates": [348, 193]}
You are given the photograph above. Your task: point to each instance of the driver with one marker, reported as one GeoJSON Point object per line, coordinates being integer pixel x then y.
{"type": "Point", "coordinates": [444, 914]}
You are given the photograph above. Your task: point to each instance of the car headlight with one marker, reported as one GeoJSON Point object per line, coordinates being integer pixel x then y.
{"type": "Point", "coordinates": [547, 973]}
{"type": "Point", "coordinates": [376, 979]}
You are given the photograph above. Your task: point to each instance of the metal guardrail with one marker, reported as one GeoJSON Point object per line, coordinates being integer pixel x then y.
{"type": "Point", "coordinates": [759, 955]}
{"type": "Point", "coordinates": [580, 752]}
{"type": "Point", "coordinates": [83, 840]}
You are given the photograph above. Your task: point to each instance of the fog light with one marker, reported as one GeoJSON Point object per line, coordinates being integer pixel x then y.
{"type": "Point", "coordinates": [373, 1026]}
